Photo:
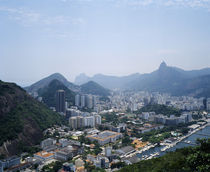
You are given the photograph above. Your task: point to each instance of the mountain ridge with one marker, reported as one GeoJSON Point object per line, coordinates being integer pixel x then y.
{"type": "Point", "coordinates": [45, 82]}
{"type": "Point", "coordinates": [48, 93]}
{"type": "Point", "coordinates": [94, 88]}
{"type": "Point", "coordinates": [165, 79]}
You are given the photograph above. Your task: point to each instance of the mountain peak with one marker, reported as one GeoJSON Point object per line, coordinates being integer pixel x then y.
{"type": "Point", "coordinates": [163, 65]}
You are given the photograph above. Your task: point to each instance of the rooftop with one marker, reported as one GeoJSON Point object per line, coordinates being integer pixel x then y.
{"type": "Point", "coordinates": [44, 154]}
{"type": "Point", "coordinates": [104, 135]}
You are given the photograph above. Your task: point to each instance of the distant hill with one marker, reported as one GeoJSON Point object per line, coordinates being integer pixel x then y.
{"type": "Point", "coordinates": [92, 87]}
{"type": "Point", "coordinates": [48, 93]}
{"type": "Point", "coordinates": [22, 119]}
{"type": "Point", "coordinates": [110, 82]}
{"type": "Point", "coordinates": [165, 79]}
{"type": "Point", "coordinates": [196, 87]}
{"type": "Point", "coordinates": [175, 81]}
{"type": "Point", "coordinates": [45, 82]}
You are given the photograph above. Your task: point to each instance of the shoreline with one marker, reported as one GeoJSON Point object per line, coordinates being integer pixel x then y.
{"type": "Point", "coordinates": [170, 145]}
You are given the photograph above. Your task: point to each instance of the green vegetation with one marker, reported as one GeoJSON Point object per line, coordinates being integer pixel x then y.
{"type": "Point", "coordinates": [22, 147]}
{"type": "Point", "coordinates": [97, 148]}
{"type": "Point", "coordinates": [156, 136]}
{"type": "Point", "coordinates": [186, 159]}
{"type": "Point", "coordinates": [95, 89]}
{"type": "Point", "coordinates": [126, 141]}
{"type": "Point", "coordinates": [92, 168]}
{"type": "Point", "coordinates": [52, 167]}
{"type": "Point", "coordinates": [159, 109]}
{"type": "Point", "coordinates": [48, 93]}
{"type": "Point", "coordinates": [110, 117]}
{"type": "Point", "coordinates": [27, 112]}
{"type": "Point", "coordinates": [20, 113]}
{"type": "Point", "coordinates": [118, 165]}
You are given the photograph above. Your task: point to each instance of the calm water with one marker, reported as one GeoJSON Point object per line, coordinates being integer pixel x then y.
{"type": "Point", "coordinates": [200, 134]}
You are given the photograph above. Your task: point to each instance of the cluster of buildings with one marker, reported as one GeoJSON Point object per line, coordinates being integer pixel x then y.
{"type": "Point", "coordinates": [88, 101]}
{"type": "Point", "coordinates": [99, 161]}
{"type": "Point", "coordinates": [78, 122]}
{"type": "Point", "coordinates": [172, 120]}
{"type": "Point", "coordinates": [63, 149]}
{"type": "Point", "coordinates": [132, 100]}
{"type": "Point", "coordinates": [162, 119]}
{"type": "Point", "coordinates": [118, 128]}
{"type": "Point", "coordinates": [10, 162]}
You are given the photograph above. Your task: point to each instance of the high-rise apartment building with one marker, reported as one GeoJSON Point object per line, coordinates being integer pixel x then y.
{"type": "Point", "coordinates": [77, 100]}
{"type": "Point", "coordinates": [89, 101]}
{"type": "Point", "coordinates": [97, 120]}
{"type": "Point", "coordinates": [83, 101]}
{"type": "Point", "coordinates": [60, 101]}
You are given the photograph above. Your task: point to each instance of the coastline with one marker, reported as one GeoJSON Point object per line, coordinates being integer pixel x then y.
{"type": "Point", "coordinates": [167, 146]}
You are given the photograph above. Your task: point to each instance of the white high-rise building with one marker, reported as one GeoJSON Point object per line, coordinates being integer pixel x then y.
{"type": "Point", "coordinates": [73, 122]}
{"type": "Point", "coordinates": [89, 121]}
{"type": "Point", "coordinates": [89, 101]}
{"type": "Point", "coordinates": [80, 122]}
{"type": "Point", "coordinates": [77, 100]}
{"type": "Point", "coordinates": [95, 100]}
{"type": "Point", "coordinates": [108, 151]}
{"type": "Point", "coordinates": [97, 120]}
{"type": "Point", "coordinates": [82, 101]}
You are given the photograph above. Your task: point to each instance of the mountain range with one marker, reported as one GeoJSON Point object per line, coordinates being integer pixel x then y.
{"type": "Point", "coordinates": [45, 82]}
{"type": "Point", "coordinates": [165, 79]}
{"type": "Point", "coordinates": [47, 87]}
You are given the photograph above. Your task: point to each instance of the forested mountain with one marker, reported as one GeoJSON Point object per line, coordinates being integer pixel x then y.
{"type": "Point", "coordinates": [48, 93]}
{"type": "Point", "coordinates": [22, 119]}
{"type": "Point", "coordinates": [45, 82]}
{"type": "Point", "coordinates": [93, 88]}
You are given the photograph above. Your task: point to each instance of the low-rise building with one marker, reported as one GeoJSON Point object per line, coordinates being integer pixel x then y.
{"type": "Point", "coordinates": [105, 137]}
{"type": "Point", "coordinates": [65, 153]}
{"type": "Point", "coordinates": [125, 150]}
{"type": "Point", "coordinates": [43, 155]}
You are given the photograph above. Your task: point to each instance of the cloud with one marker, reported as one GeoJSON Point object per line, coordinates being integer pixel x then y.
{"type": "Point", "coordinates": [51, 26]}
{"type": "Point", "coordinates": [30, 18]}
{"type": "Point", "coordinates": [205, 4]}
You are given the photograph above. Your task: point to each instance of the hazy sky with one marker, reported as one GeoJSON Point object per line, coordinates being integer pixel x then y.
{"type": "Point", "coordinates": [114, 37]}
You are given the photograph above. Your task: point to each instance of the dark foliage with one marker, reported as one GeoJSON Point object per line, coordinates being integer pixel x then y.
{"type": "Point", "coordinates": [48, 93]}
{"type": "Point", "coordinates": [160, 109]}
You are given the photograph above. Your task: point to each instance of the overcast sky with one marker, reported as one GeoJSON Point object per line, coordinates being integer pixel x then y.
{"type": "Point", "coordinates": [113, 37]}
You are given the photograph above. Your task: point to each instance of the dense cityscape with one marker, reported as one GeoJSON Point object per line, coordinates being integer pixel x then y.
{"type": "Point", "coordinates": [104, 85]}
{"type": "Point", "coordinates": [108, 134]}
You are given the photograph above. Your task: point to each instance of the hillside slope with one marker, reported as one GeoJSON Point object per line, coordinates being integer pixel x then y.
{"type": "Point", "coordinates": [175, 81]}
{"type": "Point", "coordinates": [22, 119]}
{"type": "Point", "coordinates": [48, 93]}
{"type": "Point", "coordinates": [92, 87]}
{"type": "Point", "coordinates": [109, 82]}
{"type": "Point", "coordinates": [45, 82]}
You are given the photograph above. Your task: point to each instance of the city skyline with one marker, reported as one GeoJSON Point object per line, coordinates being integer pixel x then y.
{"type": "Point", "coordinates": [118, 38]}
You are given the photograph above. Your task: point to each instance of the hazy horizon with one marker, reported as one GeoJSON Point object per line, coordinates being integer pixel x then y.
{"type": "Point", "coordinates": [111, 37]}
{"type": "Point", "coordinates": [73, 81]}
